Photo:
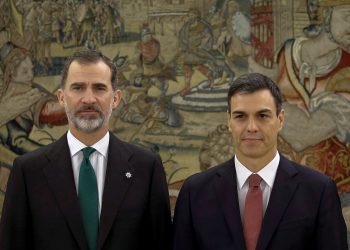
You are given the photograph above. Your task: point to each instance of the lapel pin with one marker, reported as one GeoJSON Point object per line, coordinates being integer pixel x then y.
{"type": "Point", "coordinates": [128, 175]}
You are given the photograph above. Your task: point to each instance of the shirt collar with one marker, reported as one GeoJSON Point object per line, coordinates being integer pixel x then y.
{"type": "Point", "coordinates": [75, 146]}
{"type": "Point", "coordinates": [267, 173]}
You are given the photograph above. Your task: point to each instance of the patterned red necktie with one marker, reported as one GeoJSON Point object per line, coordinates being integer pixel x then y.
{"type": "Point", "coordinates": [253, 212]}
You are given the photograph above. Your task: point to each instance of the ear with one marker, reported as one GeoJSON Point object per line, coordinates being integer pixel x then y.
{"type": "Point", "coordinates": [117, 96]}
{"type": "Point", "coordinates": [228, 120]}
{"type": "Point", "coordinates": [60, 97]}
{"type": "Point", "coordinates": [281, 117]}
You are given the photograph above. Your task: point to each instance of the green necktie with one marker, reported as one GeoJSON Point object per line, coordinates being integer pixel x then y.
{"type": "Point", "coordinates": [88, 199]}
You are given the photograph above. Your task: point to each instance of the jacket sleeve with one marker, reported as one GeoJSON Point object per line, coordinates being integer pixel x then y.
{"type": "Point", "coordinates": [184, 236]}
{"type": "Point", "coordinates": [331, 229]}
{"type": "Point", "coordinates": [15, 231]}
{"type": "Point", "coordinates": [159, 209]}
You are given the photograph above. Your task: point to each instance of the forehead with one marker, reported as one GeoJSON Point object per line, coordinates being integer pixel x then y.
{"type": "Point", "coordinates": [98, 71]}
{"type": "Point", "coordinates": [253, 102]}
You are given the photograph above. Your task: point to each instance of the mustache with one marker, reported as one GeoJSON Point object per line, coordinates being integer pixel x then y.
{"type": "Point", "coordinates": [252, 137]}
{"type": "Point", "coordinates": [89, 107]}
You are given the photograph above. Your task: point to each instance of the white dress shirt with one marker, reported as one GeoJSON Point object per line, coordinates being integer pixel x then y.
{"type": "Point", "coordinates": [267, 173]}
{"type": "Point", "coordinates": [98, 161]}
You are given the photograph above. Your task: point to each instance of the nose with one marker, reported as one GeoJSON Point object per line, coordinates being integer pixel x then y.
{"type": "Point", "coordinates": [252, 127]}
{"type": "Point", "coordinates": [89, 96]}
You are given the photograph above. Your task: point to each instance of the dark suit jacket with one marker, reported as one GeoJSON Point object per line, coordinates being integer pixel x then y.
{"type": "Point", "coordinates": [303, 212]}
{"type": "Point", "coordinates": [41, 207]}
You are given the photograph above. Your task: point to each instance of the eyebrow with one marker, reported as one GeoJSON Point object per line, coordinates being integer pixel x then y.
{"type": "Point", "coordinates": [94, 83]}
{"type": "Point", "coordinates": [264, 111]}
{"type": "Point", "coordinates": [239, 112]}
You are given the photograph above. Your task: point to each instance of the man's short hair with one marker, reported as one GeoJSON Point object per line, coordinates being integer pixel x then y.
{"type": "Point", "coordinates": [89, 57]}
{"type": "Point", "coordinates": [250, 83]}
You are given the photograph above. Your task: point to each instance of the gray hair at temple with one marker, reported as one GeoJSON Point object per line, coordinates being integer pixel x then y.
{"type": "Point", "coordinates": [250, 83]}
{"type": "Point", "coordinates": [87, 57]}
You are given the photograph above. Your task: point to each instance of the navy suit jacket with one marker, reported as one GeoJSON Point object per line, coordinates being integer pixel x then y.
{"type": "Point", "coordinates": [303, 212]}
{"type": "Point", "coordinates": [41, 207]}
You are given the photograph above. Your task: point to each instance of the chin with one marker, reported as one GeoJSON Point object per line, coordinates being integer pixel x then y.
{"type": "Point", "coordinates": [251, 153]}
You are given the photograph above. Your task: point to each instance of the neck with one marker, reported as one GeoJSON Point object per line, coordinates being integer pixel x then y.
{"type": "Point", "coordinates": [91, 138]}
{"type": "Point", "coordinates": [255, 164]}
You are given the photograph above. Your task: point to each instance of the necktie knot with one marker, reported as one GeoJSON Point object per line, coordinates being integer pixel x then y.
{"type": "Point", "coordinates": [254, 181]}
{"type": "Point", "coordinates": [87, 152]}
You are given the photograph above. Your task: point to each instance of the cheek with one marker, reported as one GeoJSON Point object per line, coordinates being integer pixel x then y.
{"type": "Point", "coordinates": [272, 135]}
{"type": "Point", "coordinates": [234, 133]}
{"type": "Point", "coordinates": [69, 102]}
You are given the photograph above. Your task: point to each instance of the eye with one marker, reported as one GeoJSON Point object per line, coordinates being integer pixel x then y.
{"type": "Point", "coordinates": [238, 116]}
{"type": "Point", "coordinates": [77, 87]}
{"type": "Point", "coordinates": [100, 87]}
{"type": "Point", "coordinates": [263, 116]}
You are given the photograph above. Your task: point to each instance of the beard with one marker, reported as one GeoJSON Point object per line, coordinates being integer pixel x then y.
{"type": "Point", "coordinates": [88, 123]}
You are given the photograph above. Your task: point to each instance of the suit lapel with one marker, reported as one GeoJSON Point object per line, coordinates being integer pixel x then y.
{"type": "Point", "coordinates": [116, 185]}
{"type": "Point", "coordinates": [226, 191]}
{"type": "Point", "coordinates": [59, 174]}
{"type": "Point", "coordinates": [282, 192]}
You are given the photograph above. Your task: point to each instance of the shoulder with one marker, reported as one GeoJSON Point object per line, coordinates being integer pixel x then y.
{"type": "Point", "coordinates": [308, 174]}
{"type": "Point", "coordinates": [206, 178]}
{"type": "Point", "coordinates": [131, 151]}
{"type": "Point", "coordinates": [305, 175]}
{"type": "Point", "coordinates": [42, 155]}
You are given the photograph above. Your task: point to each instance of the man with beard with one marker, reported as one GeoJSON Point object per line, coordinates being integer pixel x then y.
{"type": "Point", "coordinates": [87, 190]}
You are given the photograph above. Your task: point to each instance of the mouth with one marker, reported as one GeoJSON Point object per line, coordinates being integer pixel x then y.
{"type": "Point", "coordinates": [88, 111]}
{"type": "Point", "coordinates": [250, 139]}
